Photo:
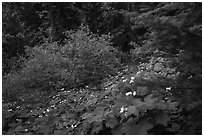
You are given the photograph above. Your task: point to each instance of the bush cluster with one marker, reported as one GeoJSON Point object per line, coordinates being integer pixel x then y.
{"type": "Point", "coordinates": [82, 60]}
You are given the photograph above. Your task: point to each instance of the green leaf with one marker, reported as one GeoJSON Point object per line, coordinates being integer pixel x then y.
{"type": "Point", "coordinates": [96, 118]}
{"type": "Point", "coordinates": [64, 117]}
{"type": "Point", "coordinates": [46, 130]}
{"type": "Point", "coordinates": [160, 105]}
{"type": "Point", "coordinates": [162, 118]}
{"type": "Point", "coordinates": [131, 128]}
{"type": "Point", "coordinates": [123, 101]}
{"type": "Point", "coordinates": [59, 132]}
{"type": "Point", "coordinates": [13, 124]}
{"type": "Point", "coordinates": [59, 125]}
{"type": "Point", "coordinates": [86, 115]}
{"type": "Point", "coordinates": [35, 128]}
{"type": "Point", "coordinates": [91, 102]}
{"type": "Point", "coordinates": [137, 102]}
{"type": "Point", "coordinates": [172, 105]}
{"type": "Point", "coordinates": [149, 101]}
{"type": "Point", "coordinates": [19, 129]}
{"type": "Point", "coordinates": [112, 122]}
{"type": "Point", "coordinates": [65, 124]}
{"type": "Point", "coordinates": [36, 112]}
{"type": "Point", "coordinates": [132, 110]}
{"type": "Point", "coordinates": [142, 90]}
{"type": "Point", "coordinates": [117, 131]}
{"type": "Point", "coordinates": [143, 108]}
{"type": "Point", "coordinates": [97, 115]}
{"type": "Point", "coordinates": [174, 127]}
{"type": "Point", "coordinates": [158, 67]}
{"type": "Point", "coordinates": [54, 102]}
{"type": "Point", "coordinates": [97, 126]}
{"type": "Point", "coordinates": [140, 105]}
{"type": "Point", "coordinates": [71, 122]}
{"type": "Point", "coordinates": [42, 119]}
{"type": "Point", "coordinates": [140, 129]}
{"type": "Point", "coordinates": [123, 129]}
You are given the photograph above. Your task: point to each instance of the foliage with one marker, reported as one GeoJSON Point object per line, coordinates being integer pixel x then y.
{"type": "Point", "coordinates": [171, 38]}
{"type": "Point", "coordinates": [92, 111]}
{"type": "Point", "coordinates": [109, 110]}
{"type": "Point", "coordinates": [83, 60]}
{"type": "Point", "coordinates": [29, 24]}
{"type": "Point", "coordinates": [70, 80]}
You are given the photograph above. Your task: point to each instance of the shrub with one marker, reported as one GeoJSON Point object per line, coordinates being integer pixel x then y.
{"type": "Point", "coordinates": [84, 59]}
{"type": "Point", "coordinates": [92, 57]}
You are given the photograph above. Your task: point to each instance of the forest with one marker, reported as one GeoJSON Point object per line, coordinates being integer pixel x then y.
{"type": "Point", "coordinates": [101, 68]}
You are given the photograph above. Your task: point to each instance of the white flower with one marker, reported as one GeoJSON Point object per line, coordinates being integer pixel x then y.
{"type": "Point", "coordinates": [132, 78]}
{"type": "Point", "coordinates": [134, 93]}
{"type": "Point", "coordinates": [122, 110]}
{"type": "Point", "coordinates": [128, 93]}
{"type": "Point", "coordinates": [190, 77]}
{"type": "Point", "coordinates": [168, 88]}
{"type": "Point", "coordinates": [124, 80]}
{"type": "Point", "coordinates": [73, 126]}
{"type": "Point", "coordinates": [10, 110]}
{"type": "Point", "coordinates": [131, 81]}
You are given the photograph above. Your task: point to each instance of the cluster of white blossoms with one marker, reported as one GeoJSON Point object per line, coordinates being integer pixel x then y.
{"type": "Point", "coordinates": [122, 109]}
{"type": "Point", "coordinates": [132, 79]}
{"type": "Point", "coordinates": [134, 93]}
